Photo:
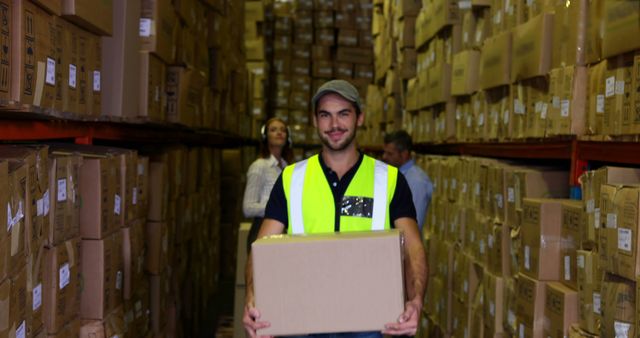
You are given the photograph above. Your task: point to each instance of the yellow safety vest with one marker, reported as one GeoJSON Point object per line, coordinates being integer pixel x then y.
{"type": "Point", "coordinates": [365, 206]}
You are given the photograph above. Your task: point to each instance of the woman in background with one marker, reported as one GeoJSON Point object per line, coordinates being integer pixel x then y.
{"type": "Point", "coordinates": [275, 154]}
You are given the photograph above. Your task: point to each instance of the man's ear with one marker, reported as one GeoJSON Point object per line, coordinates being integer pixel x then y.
{"type": "Point", "coordinates": [361, 119]}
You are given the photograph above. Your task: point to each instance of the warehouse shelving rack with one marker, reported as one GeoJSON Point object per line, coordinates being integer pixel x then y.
{"type": "Point", "coordinates": [35, 127]}
{"type": "Point", "coordinates": [579, 153]}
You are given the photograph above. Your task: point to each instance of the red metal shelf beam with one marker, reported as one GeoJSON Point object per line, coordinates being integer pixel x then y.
{"type": "Point", "coordinates": [538, 150]}
{"type": "Point", "coordinates": [86, 132]}
{"type": "Point", "coordinates": [611, 152]}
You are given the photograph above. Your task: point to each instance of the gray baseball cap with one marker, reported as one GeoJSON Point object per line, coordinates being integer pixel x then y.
{"type": "Point", "coordinates": [340, 87]}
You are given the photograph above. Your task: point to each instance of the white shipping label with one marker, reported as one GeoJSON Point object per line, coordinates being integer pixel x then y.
{"type": "Point", "coordinates": [581, 262]}
{"type": "Point", "coordinates": [145, 27]}
{"type": "Point", "coordinates": [600, 104]}
{"type": "Point", "coordinates": [477, 189]}
{"type": "Point", "coordinates": [134, 194]}
{"type": "Point", "coordinates": [511, 318]}
{"type": "Point", "coordinates": [37, 297]}
{"type": "Point", "coordinates": [140, 169]}
{"type": "Point", "coordinates": [464, 188]}
{"type": "Point", "coordinates": [478, 36]}
{"type": "Point", "coordinates": [45, 202]}
{"type": "Point", "coordinates": [492, 309]}
{"type": "Point", "coordinates": [518, 107]}
{"type": "Point", "coordinates": [96, 80]}
{"type": "Point", "coordinates": [610, 86]}
{"type": "Point", "coordinates": [511, 195]}
{"type": "Point", "coordinates": [521, 333]}
{"type": "Point", "coordinates": [490, 241]}
{"type": "Point", "coordinates": [72, 76]}
{"type": "Point", "coordinates": [543, 112]}
{"type": "Point", "coordinates": [538, 106]}
{"type": "Point", "coordinates": [500, 201]}
{"type": "Point", "coordinates": [469, 121]}
{"type": "Point", "coordinates": [454, 184]}
{"type": "Point", "coordinates": [472, 236]}
{"type": "Point", "coordinates": [596, 218]}
{"type": "Point", "coordinates": [555, 101]}
{"type": "Point", "coordinates": [481, 119]}
{"type": "Point", "coordinates": [527, 257]}
{"type": "Point", "coordinates": [625, 239]}
{"type": "Point", "coordinates": [21, 331]}
{"type": "Point", "coordinates": [481, 246]}
{"type": "Point", "coordinates": [567, 267]}
{"type": "Point", "coordinates": [612, 220]}
{"type": "Point", "coordinates": [119, 279]}
{"type": "Point", "coordinates": [506, 117]}
{"type": "Point", "coordinates": [622, 329]}
{"type": "Point", "coordinates": [64, 276]}
{"type": "Point", "coordinates": [51, 72]}
{"type": "Point", "coordinates": [464, 4]}
{"type": "Point", "coordinates": [465, 37]}
{"type": "Point", "coordinates": [619, 87]}
{"type": "Point", "coordinates": [565, 106]}
{"type": "Point", "coordinates": [465, 286]}
{"type": "Point", "coordinates": [62, 190]}
{"type": "Point", "coordinates": [596, 303]}
{"type": "Point", "coordinates": [40, 207]}
{"type": "Point", "coordinates": [117, 204]}
{"type": "Point", "coordinates": [591, 206]}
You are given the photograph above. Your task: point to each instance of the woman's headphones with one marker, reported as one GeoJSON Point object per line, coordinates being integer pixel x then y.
{"type": "Point", "coordinates": [263, 130]}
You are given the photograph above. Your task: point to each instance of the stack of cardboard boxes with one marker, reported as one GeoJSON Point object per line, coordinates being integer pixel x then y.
{"type": "Point", "coordinates": [509, 256]}
{"type": "Point", "coordinates": [505, 70]}
{"type": "Point", "coordinates": [490, 255]}
{"type": "Point", "coordinates": [149, 60]}
{"type": "Point", "coordinates": [90, 249]}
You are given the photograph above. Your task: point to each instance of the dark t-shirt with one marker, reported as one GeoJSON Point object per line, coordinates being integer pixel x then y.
{"type": "Point", "coordinates": [401, 203]}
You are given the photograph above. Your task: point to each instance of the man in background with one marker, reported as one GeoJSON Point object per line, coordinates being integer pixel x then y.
{"type": "Point", "coordinates": [397, 152]}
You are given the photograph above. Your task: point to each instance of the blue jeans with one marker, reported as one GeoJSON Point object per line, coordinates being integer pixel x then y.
{"type": "Point", "coordinates": [374, 334]}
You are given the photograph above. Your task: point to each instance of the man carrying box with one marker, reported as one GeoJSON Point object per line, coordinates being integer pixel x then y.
{"type": "Point", "coordinates": [345, 177]}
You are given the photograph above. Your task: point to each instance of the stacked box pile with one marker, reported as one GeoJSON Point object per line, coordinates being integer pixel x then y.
{"type": "Point", "coordinates": [509, 256]}
{"type": "Point", "coordinates": [484, 246]}
{"type": "Point", "coordinates": [495, 71]}
{"type": "Point", "coordinates": [103, 241]}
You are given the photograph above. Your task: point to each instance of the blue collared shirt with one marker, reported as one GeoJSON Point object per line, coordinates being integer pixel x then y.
{"type": "Point", "coordinates": [421, 189]}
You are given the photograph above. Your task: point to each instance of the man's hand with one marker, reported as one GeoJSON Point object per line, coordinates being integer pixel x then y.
{"type": "Point", "coordinates": [407, 324]}
{"type": "Point", "coordinates": [251, 323]}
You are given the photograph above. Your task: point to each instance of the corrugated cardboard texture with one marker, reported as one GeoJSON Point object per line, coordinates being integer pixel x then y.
{"type": "Point", "coordinates": [561, 309]}
{"type": "Point", "coordinates": [340, 282]}
{"type": "Point", "coordinates": [530, 300]}
{"type": "Point", "coordinates": [619, 307]}
{"type": "Point", "coordinates": [61, 296]}
{"type": "Point", "coordinates": [541, 239]}
{"type": "Point", "coordinates": [95, 16]}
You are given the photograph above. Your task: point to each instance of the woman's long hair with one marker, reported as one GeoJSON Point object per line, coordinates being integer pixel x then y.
{"type": "Point", "coordinates": [287, 152]}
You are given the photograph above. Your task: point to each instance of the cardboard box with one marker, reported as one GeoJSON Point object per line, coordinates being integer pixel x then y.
{"type": "Point", "coordinates": [362, 56]}
{"type": "Point", "coordinates": [288, 277]}
{"type": "Point", "coordinates": [14, 239]}
{"type": "Point", "coordinates": [623, 218]}
{"type": "Point", "coordinates": [589, 278]}
{"type": "Point", "coordinates": [7, 51]}
{"type": "Point", "coordinates": [101, 203]}
{"type": "Point", "coordinates": [572, 223]}
{"type": "Point", "coordinates": [466, 69]}
{"type": "Point", "coordinates": [635, 95]}
{"type": "Point", "coordinates": [596, 98]}
{"type": "Point", "coordinates": [102, 271]}
{"type": "Point", "coordinates": [439, 85]}
{"type": "Point", "coordinates": [64, 198]}
{"type": "Point", "coordinates": [157, 239]}
{"type": "Point", "coordinates": [494, 288]}
{"type": "Point", "coordinates": [16, 306]}
{"type": "Point", "coordinates": [568, 114]}
{"type": "Point", "coordinates": [52, 6]}
{"type": "Point", "coordinates": [541, 238]}
{"type": "Point", "coordinates": [158, 29]}
{"type": "Point", "coordinates": [617, 94]}
{"type": "Point", "coordinates": [530, 306]}
{"type": "Point", "coordinates": [621, 27]}
{"type": "Point", "coordinates": [34, 283]}
{"type": "Point", "coordinates": [495, 61]}
{"type": "Point", "coordinates": [561, 309]}
{"type": "Point", "coordinates": [5, 314]}
{"type": "Point", "coordinates": [184, 90]}
{"type": "Point", "coordinates": [95, 16]}
{"type": "Point", "coordinates": [33, 79]}
{"type": "Point", "coordinates": [160, 289]}
{"type": "Point", "coordinates": [62, 285]}
{"type": "Point", "coordinates": [94, 96]}
{"type": "Point", "coordinates": [120, 53]}
{"type": "Point", "coordinates": [532, 43]}
{"type": "Point", "coordinates": [153, 102]}
{"type": "Point", "coordinates": [158, 191]}
{"type": "Point", "coordinates": [618, 307]}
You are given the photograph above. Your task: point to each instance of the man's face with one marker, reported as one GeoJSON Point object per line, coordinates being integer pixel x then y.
{"type": "Point", "coordinates": [393, 156]}
{"type": "Point", "coordinates": [336, 121]}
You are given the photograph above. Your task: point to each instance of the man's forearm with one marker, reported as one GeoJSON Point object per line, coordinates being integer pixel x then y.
{"type": "Point", "coordinates": [416, 272]}
{"type": "Point", "coordinates": [248, 279]}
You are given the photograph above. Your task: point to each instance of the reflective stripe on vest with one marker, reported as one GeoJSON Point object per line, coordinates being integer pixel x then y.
{"type": "Point", "coordinates": [370, 213]}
